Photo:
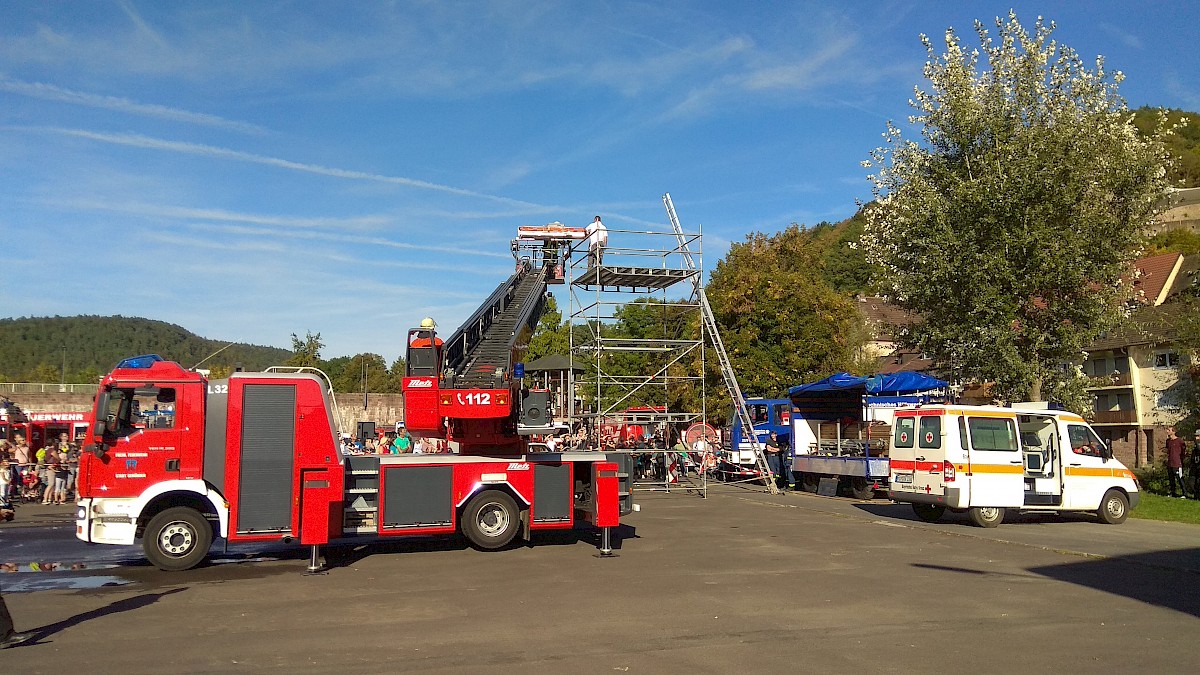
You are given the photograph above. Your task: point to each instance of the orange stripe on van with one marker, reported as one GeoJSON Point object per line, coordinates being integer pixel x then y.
{"type": "Point", "coordinates": [997, 468]}
{"type": "Point", "coordinates": [1097, 472]}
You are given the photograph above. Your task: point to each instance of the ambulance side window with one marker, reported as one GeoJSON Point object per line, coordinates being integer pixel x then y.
{"type": "Point", "coordinates": [990, 433]}
{"type": "Point", "coordinates": [962, 433]}
{"type": "Point", "coordinates": [1084, 441]}
{"type": "Point", "coordinates": [931, 432]}
{"type": "Point", "coordinates": [903, 435]}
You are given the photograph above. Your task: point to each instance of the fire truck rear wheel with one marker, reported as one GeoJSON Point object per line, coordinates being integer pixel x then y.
{"type": "Point", "coordinates": [1114, 509]}
{"type": "Point", "coordinates": [491, 520]}
{"type": "Point", "coordinates": [986, 516]}
{"type": "Point", "coordinates": [177, 539]}
{"type": "Point", "coordinates": [930, 513]}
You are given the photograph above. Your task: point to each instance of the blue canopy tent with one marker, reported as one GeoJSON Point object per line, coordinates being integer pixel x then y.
{"type": "Point", "coordinates": [896, 384]}
{"type": "Point", "coordinates": [843, 395]}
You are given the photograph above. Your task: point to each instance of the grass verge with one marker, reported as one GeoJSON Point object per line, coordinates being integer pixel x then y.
{"type": "Point", "coordinates": [1160, 507]}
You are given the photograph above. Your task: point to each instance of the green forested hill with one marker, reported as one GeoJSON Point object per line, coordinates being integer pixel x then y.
{"type": "Point", "coordinates": [31, 349]}
{"type": "Point", "coordinates": [1184, 147]}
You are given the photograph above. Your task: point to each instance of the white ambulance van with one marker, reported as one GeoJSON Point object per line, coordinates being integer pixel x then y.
{"type": "Point", "coordinates": [986, 459]}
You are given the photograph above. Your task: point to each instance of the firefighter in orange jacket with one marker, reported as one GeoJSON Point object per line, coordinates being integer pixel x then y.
{"type": "Point", "coordinates": [430, 324]}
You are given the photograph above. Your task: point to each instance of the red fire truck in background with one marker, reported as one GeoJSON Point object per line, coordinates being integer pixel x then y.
{"type": "Point", "coordinates": [40, 427]}
{"type": "Point", "coordinates": [177, 459]}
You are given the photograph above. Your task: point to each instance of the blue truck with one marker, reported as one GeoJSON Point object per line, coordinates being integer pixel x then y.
{"type": "Point", "coordinates": [841, 426]}
{"type": "Point", "coordinates": [836, 428]}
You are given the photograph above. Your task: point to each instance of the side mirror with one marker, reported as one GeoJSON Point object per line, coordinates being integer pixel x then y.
{"type": "Point", "coordinates": [98, 450]}
{"type": "Point", "coordinates": [99, 428]}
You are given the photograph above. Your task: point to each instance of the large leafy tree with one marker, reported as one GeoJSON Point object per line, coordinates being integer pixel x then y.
{"type": "Point", "coordinates": [550, 336]}
{"type": "Point", "coordinates": [306, 351]}
{"type": "Point", "coordinates": [369, 369]}
{"type": "Point", "coordinates": [1009, 228]}
{"type": "Point", "coordinates": [781, 322]}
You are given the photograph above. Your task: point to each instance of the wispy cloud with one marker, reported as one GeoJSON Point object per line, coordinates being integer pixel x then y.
{"type": "Point", "coordinates": [188, 213]}
{"type": "Point", "coordinates": [143, 28]}
{"type": "Point", "coordinates": [50, 92]}
{"type": "Point", "coordinates": [348, 239]}
{"type": "Point", "coordinates": [184, 147]}
{"type": "Point", "coordinates": [1125, 37]}
{"type": "Point", "coordinates": [1187, 94]}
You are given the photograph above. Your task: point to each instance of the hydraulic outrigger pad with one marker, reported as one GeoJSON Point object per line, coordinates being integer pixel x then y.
{"type": "Point", "coordinates": [315, 566]}
{"type": "Point", "coordinates": [606, 550]}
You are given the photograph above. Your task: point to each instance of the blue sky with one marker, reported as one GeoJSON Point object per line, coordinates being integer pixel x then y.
{"type": "Point", "coordinates": [252, 170]}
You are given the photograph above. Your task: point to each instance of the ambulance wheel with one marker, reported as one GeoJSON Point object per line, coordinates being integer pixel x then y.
{"type": "Point", "coordinates": [809, 482]}
{"type": "Point", "coordinates": [491, 520]}
{"type": "Point", "coordinates": [930, 513]}
{"type": "Point", "coordinates": [861, 488]}
{"type": "Point", "coordinates": [177, 539]}
{"type": "Point", "coordinates": [1114, 509]}
{"type": "Point", "coordinates": [986, 516]}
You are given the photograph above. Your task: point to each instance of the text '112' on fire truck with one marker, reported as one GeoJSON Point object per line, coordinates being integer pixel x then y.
{"type": "Point", "coordinates": [177, 459]}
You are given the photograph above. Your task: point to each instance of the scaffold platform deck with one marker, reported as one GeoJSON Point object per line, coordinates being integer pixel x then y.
{"type": "Point", "coordinates": [621, 278]}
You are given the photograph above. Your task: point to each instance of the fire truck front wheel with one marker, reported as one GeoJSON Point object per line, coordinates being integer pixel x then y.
{"type": "Point", "coordinates": [491, 520]}
{"type": "Point", "coordinates": [177, 539]}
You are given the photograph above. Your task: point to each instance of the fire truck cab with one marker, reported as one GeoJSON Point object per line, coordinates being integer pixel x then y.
{"type": "Point", "coordinates": [987, 459]}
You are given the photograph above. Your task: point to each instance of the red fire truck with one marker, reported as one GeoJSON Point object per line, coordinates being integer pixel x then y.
{"type": "Point", "coordinates": [40, 427]}
{"type": "Point", "coordinates": [177, 459]}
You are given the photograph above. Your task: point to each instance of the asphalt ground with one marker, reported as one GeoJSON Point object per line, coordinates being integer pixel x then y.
{"type": "Point", "coordinates": [739, 582]}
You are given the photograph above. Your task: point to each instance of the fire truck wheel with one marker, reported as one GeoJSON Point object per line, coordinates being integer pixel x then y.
{"type": "Point", "coordinates": [861, 488]}
{"type": "Point", "coordinates": [491, 520]}
{"type": "Point", "coordinates": [986, 516]}
{"type": "Point", "coordinates": [177, 539]}
{"type": "Point", "coordinates": [930, 513]}
{"type": "Point", "coordinates": [1114, 509]}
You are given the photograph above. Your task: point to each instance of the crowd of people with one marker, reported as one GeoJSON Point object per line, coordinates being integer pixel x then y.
{"type": "Point", "coordinates": [47, 474]}
{"type": "Point", "coordinates": [402, 443]}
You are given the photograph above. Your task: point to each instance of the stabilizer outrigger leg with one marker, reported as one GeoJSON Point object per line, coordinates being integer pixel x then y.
{"type": "Point", "coordinates": [606, 550]}
{"type": "Point", "coordinates": [315, 566]}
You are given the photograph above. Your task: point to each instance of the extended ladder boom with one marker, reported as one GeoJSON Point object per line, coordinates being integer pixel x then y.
{"type": "Point", "coordinates": [485, 341]}
{"type": "Point", "coordinates": [727, 374]}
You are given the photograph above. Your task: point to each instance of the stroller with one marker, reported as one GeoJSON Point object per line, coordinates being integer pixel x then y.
{"type": "Point", "coordinates": [31, 487]}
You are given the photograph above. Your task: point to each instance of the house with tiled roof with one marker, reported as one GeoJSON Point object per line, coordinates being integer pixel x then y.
{"type": "Point", "coordinates": [1134, 370]}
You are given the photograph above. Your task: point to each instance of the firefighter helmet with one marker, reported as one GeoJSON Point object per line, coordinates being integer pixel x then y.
{"type": "Point", "coordinates": [428, 322]}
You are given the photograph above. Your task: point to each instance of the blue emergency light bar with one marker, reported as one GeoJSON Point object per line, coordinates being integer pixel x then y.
{"type": "Point", "coordinates": [142, 362]}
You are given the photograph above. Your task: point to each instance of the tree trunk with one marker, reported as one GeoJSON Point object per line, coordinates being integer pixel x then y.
{"type": "Point", "coordinates": [1035, 389]}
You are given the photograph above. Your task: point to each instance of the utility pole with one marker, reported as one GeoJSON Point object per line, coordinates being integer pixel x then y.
{"type": "Point", "coordinates": [62, 386]}
{"type": "Point", "coordinates": [364, 381]}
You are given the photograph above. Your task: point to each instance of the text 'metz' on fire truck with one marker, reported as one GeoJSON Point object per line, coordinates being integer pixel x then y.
{"type": "Point", "coordinates": [177, 460]}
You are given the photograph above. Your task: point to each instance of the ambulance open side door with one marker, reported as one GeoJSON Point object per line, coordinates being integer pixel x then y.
{"type": "Point", "coordinates": [996, 469]}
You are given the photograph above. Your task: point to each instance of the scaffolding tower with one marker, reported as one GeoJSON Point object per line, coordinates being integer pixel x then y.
{"type": "Point", "coordinates": [636, 380]}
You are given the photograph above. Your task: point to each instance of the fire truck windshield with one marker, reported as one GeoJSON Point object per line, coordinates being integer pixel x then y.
{"type": "Point", "coordinates": [132, 409]}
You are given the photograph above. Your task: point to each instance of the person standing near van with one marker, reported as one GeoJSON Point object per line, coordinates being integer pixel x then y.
{"type": "Point", "coordinates": [1175, 448]}
{"type": "Point", "coordinates": [1194, 464]}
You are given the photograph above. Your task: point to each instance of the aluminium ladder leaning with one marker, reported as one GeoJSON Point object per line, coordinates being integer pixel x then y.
{"type": "Point", "coordinates": [727, 374]}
